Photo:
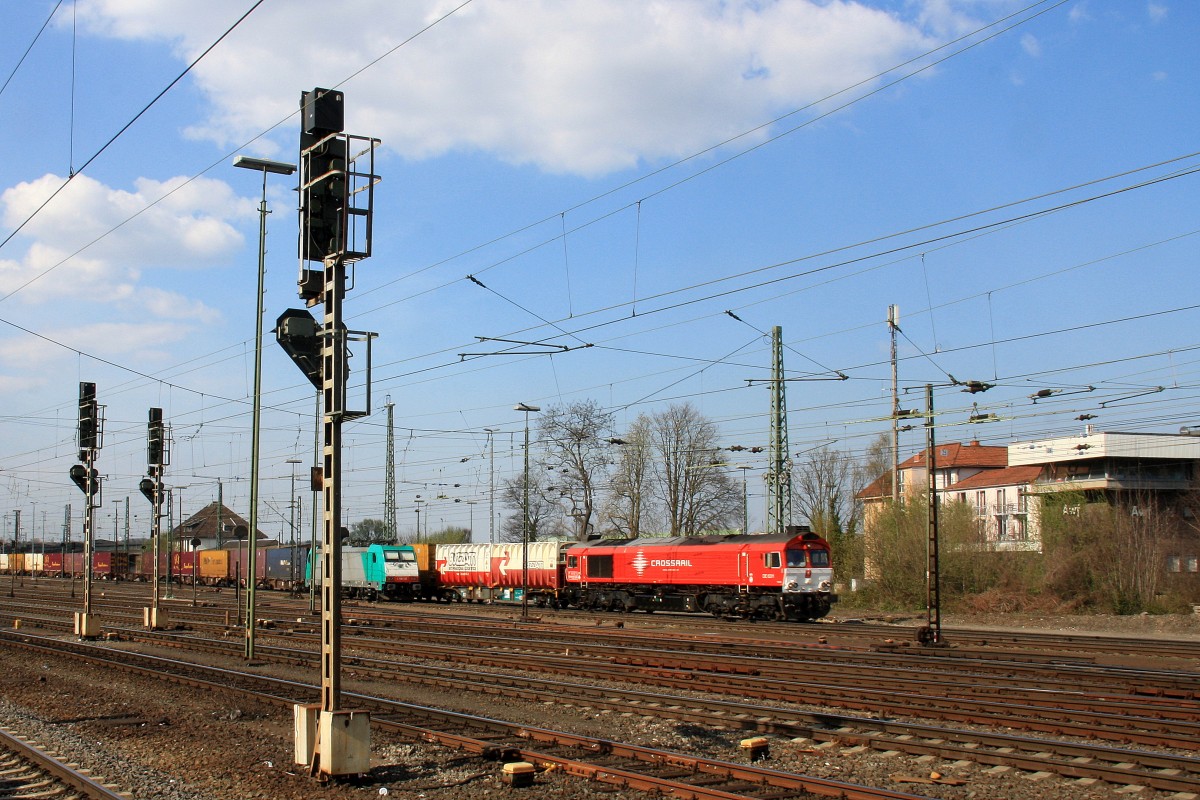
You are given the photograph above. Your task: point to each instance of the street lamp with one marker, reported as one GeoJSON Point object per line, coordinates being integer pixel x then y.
{"type": "Point", "coordinates": [275, 168]}
{"type": "Point", "coordinates": [491, 485]}
{"type": "Point", "coordinates": [292, 542]}
{"type": "Point", "coordinates": [525, 515]}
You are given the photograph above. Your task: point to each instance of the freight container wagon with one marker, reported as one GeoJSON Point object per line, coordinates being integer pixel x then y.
{"type": "Point", "coordinates": [284, 566]}
{"type": "Point", "coordinates": [33, 563]}
{"type": "Point", "coordinates": [73, 564]}
{"type": "Point", "coordinates": [183, 567]}
{"type": "Point", "coordinates": [490, 572]}
{"type": "Point", "coordinates": [52, 564]}
{"type": "Point", "coordinates": [239, 566]}
{"type": "Point", "coordinates": [214, 568]}
{"type": "Point", "coordinates": [102, 565]}
{"type": "Point", "coordinates": [426, 557]}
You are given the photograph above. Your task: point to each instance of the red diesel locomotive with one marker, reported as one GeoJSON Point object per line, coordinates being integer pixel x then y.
{"type": "Point", "coordinates": [785, 576]}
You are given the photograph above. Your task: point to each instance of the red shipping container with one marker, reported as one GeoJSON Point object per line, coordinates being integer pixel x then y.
{"type": "Point", "coordinates": [52, 563]}
{"type": "Point", "coordinates": [73, 564]}
{"type": "Point", "coordinates": [102, 563]}
{"type": "Point", "coordinates": [239, 564]}
{"type": "Point", "coordinates": [183, 566]}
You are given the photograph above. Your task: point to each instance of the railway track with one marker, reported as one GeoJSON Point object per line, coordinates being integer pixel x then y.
{"type": "Point", "coordinates": [1007, 645]}
{"type": "Point", "coordinates": [1115, 765]}
{"type": "Point", "coordinates": [656, 772]}
{"type": "Point", "coordinates": [1155, 709]}
{"type": "Point", "coordinates": [1034, 754]}
{"type": "Point", "coordinates": [1078, 702]}
{"type": "Point", "coordinates": [27, 771]}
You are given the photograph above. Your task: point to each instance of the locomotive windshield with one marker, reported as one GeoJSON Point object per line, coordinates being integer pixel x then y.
{"type": "Point", "coordinates": [795, 558]}
{"type": "Point", "coordinates": [820, 558]}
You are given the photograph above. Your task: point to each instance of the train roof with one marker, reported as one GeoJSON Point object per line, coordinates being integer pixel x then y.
{"type": "Point", "coordinates": [677, 541]}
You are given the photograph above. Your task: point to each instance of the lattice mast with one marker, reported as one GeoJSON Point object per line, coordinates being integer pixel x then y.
{"type": "Point", "coordinates": [779, 472]}
{"type": "Point", "coordinates": [389, 491]}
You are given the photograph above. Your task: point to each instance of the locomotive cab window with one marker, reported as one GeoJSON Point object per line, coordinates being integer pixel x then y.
{"type": "Point", "coordinates": [820, 558]}
{"type": "Point", "coordinates": [795, 558]}
{"type": "Point", "coordinates": [573, 561]}
{"type": "Point", "coordinates": [771, 559]}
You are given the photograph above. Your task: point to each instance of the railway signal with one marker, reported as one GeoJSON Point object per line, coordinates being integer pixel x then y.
{"type": "Point", "coordinates": [87, 480]}
{"type": "Point", "coordinates": [157, 450]}
{"type": "Point", "coordinates": [89, 420]}
{"type": "Point", "coordinates": [157, 457]}
{"type": "Point", "coordinates": [337, 183]}
{"type": "Point", "coordinates": [86, 477]}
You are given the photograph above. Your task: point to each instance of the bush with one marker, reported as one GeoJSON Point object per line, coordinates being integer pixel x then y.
{"type": "Point", "coordinates": [1094, 556]}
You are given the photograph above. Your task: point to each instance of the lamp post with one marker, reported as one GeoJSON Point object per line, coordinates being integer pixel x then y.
{"type": "Point", "coordinates": [525, 515]}
{"type": "Point", "coordinates": [491, 486]}
{"type": "Point", "coordinates": [275, 168]}
{"type": "Point", "coordinates": [471, 524]}
{"type": "Point", "coordinates": [316, 504]}
{"type": "Point", "coordinates": [292, 541]}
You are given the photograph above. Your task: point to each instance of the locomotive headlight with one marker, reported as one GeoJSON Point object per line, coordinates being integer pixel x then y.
{"type": "Point", "coordinates": [825, 586]}
{"type": "Point", "coordinates": [792, 586]}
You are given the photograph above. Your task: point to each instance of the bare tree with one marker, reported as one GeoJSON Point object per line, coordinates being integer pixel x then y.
{"type": "Point", "coordinates": [878, 463]}
{"type": "Point", "coordinates": [695, 495]}
{"type": "Point", "coordinates": [575, 440]}
{"type": "Point", "coordinates": [545, 516]}
{"type": "Point", "coordinates": [824, 485]}
{"type": "Point", "coordinates": [628, 508]}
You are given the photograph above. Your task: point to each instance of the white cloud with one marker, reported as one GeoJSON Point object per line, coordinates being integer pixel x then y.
{"type": "Point", "coordinates": [1031, 45]}
{"type": "Point", "coordinates": [1157, 12]}
{"type": "Point", "coordinates": [582, 86]}
{"type": "Point", "coordinates": [95, 242]}
{"type": "Point", "coordinates": [172, 305]}
{"type": "Point", "coordinates": [134, 341]}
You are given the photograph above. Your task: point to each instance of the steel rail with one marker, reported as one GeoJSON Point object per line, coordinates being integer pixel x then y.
{"type": "Point", "coordinates": [1115, 765]}
{"type": "Point", "coordinates": [58, 771]}
{"type": "Point", "coordinates": [1078, 718]}
{"type": "Point", "coordinates": [636, 770]}
{"type": "Point", "coordinates": [1121, 766]}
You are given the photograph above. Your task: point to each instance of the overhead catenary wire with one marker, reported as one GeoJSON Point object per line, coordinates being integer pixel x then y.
{"type": "Point", "coordinates": [993, 338]}
{"type": "Point", "coordinates": [114, 138]}
{"type": "Point", "coordinates": [32, 42]}
{"type": "Point", "coordinates": [683, 289]}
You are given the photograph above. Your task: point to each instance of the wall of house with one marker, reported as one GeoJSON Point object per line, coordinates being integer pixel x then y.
{"type": "Point", "coordinates": [1006, 516]}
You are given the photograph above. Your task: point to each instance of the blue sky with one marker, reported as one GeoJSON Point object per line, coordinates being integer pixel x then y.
{"type": "Point", "coordinates": [1015, 176]}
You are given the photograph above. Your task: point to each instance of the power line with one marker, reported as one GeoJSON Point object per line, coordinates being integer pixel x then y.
{"type": "Point", "coordinates": [34, 41]}
{"type": "Point", "coordinates": [109, 143]}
